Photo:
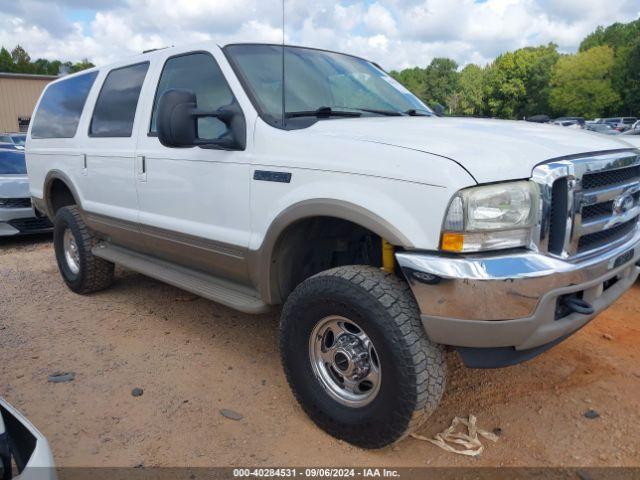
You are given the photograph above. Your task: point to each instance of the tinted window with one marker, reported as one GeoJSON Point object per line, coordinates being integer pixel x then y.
{"type": "Point", "coordinates": [199, 73]}
{"type": "Point", "coordinates": [61, 106]}
{"type": "Point", "coordinates": [116, 105]}
{"type": "Point", "coordinates": [12, 162]}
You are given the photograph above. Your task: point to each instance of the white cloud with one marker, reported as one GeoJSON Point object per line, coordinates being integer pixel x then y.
{"type": "Point", "coordinates": [394, 33]}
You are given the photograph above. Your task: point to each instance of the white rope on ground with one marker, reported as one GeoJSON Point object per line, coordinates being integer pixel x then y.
{"type": "Point", "coordinates": [471, 442]}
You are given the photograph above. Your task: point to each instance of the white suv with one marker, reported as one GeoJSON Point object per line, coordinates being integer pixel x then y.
{"type": "Point", "coordinates": [385, 230]}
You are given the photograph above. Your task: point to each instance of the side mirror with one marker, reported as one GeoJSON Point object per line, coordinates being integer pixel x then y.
{"type": "Point", "coordinates": [177, 122]}
{"type": "Point", "coordinates": [438, 110]}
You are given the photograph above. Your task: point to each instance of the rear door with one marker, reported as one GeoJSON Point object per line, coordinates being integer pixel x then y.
{"type": "Point", "coordinates": [194, 202]}
{"type": "Point", "coordinates": [108, 174]}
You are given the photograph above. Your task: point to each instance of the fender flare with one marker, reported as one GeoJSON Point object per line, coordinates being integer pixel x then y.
{"type": "Point", "coordinates": [48, 183]}
{"type": "Point", "coordinates": [262, 269]}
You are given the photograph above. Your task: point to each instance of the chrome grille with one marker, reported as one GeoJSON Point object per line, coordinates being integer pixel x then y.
{"type": "Point", "coordinates": [589, 204]}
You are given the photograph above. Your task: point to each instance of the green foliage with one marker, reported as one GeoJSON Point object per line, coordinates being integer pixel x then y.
{"type": "Point", "coordinates": [471, 90]}
{"type": "Point", "coordinates": [19, 61]}
{"type": "Point", "coordinates": [581, 84]}
{"type": "Point", "coordinates": [538, 80]}
{"type": "Point", "coordinates": [517, 83]}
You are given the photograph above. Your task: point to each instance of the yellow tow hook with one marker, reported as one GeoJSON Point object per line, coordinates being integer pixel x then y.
{"type": "Point", "coordinates": [388, 257]}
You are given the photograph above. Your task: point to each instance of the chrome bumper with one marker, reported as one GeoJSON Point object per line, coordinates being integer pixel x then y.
{"type": "Point", "coordinates": [509, 299]}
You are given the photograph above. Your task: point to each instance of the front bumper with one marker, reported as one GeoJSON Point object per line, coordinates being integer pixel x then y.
{"type": "Point", "coordinates": [510, 299]}
{"type": "Point", "coordinates": [22, 221]}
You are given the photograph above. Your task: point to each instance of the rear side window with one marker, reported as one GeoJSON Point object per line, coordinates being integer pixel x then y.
{"type": "Point", "coordinates": [12, 163]}
{"type": "Point", "coordinates": [115, 108]}
{"type": "Point", "coordinates": [199, 73]}
{"type": "Point", "coordinates": [61, 106]}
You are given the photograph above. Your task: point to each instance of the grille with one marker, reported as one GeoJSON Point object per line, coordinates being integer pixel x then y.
{"type": "Point", "coordinates": [610, 177]}
{"type": "Point", "coordinates": [558, 215]}
{"type": "Point", "coordinates": [599, 239]}
{"type": "Point", "coordinates": [15, 202]}
{"type": "Point", "coordinates": [31, 224]}
{"type": "Point", "coordinates": [598, 210]}
{"type": "Point", "coordinates": [583, 198]}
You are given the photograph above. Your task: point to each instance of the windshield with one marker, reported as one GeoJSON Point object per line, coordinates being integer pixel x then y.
{"type": "Point", "coordinates": [12, 163]}
{"type": "Point", "coordinates": [19, 139]}
{"type": "Point", "coordinates": [318, 80]}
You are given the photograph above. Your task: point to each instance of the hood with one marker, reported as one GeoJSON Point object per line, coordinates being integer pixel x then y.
{"type": "Point", "coordinates": [490, 150]}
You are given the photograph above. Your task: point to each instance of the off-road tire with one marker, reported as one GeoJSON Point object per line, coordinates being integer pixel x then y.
{"type": "Point", "coordinates": [413, 368]}
{"type": "Point", "coordinates": [95, 273]}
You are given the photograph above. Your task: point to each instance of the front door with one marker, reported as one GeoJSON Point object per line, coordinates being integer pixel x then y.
{"type": "Point", "coordinates": [194, 202]}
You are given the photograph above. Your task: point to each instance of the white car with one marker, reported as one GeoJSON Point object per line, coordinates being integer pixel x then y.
{"type": "Point", "coordinates": [385, 231]}
{"type": "Point", "coordinates": [24, 452]}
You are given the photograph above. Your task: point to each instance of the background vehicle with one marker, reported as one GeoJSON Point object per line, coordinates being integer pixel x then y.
{"type": "Point", "coordinates": [17, 139]}
{"type": "Point", "coordinates": [17, 215]}
{"type": "Point", "coordinates": [385, 231]}
{"type": "Point", "coordinates": [603, 128]}
{"type": "Point", "coordinates": [579, 120]}
{"type": "Point", "coordinates": [567, 123]}
{"type": "Point", "coordinates": [10, 146]}
{"type": "Point", "coordinates": [22, 445]}
{"type": "Point", "coordinates": [621, 123]}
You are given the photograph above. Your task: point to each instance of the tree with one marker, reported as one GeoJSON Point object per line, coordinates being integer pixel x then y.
{"type": "Point", "coordinates": [471, 91]}
{"type": "Point", "coordinates": [82, 65]}
{"type": "Point", "coordinates": [581, 84]}
{"type": "Point", "coordinates": [441, 82]}
{"type": "Point", "coordinates": [517, 83]}
{"type": "Point", "coordinates": [6, 62]}
{"type": "Point", "coordinates": [21, 60]}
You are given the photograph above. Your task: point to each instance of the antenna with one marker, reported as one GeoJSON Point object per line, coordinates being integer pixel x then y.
{"type": "Point", "coordinates": [284, 118]}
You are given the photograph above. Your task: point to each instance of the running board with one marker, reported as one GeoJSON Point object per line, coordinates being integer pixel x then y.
{"type": "Point", "coordinates": [238, 297]}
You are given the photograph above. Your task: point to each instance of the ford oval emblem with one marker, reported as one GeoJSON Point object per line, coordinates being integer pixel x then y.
{"type": "Point", "coordinates": [623, 204]}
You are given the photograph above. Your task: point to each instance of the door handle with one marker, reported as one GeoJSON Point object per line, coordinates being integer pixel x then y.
{"type": "Point", "coordinates": [141, 162]}
{"type": "Point", "coordinates": [84, 163]}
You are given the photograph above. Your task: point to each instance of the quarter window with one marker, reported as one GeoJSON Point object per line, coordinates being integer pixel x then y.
{"type": "Point", "coordinates": [59, 111]}
{"type": "Point", "coordinates": [199, 73]}
{"type": "Point", "coordinates": [115, 108]}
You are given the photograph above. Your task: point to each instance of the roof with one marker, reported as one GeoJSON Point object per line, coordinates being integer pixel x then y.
{"type": "Point", "coordinates": [28, 76]}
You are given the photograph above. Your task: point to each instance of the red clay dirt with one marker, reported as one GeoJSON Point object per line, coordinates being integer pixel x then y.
{"type": "Point", "coordinates": [193, 357]}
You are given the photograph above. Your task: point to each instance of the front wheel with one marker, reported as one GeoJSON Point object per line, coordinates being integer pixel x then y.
{"type": "Point", "coordinates": [357, 358]}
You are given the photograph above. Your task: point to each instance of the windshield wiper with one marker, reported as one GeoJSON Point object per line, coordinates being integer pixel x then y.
{"type": "Point", "coordinates": [386, 113]}
{"type": "Point", "coordinates": [322, 112]}
{"type": "Point", "coordinates": [412, 112]}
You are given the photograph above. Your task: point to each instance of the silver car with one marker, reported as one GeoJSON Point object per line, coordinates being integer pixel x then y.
{"type": "Point", "coordinates": [17, 215]}
{"type": "Point", "coordinates": [24, 452]}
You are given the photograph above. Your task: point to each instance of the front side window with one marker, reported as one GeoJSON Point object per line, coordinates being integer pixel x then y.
{"type": "Point", "coordinates": [115, 108]}
{"type": "Point", "coordinates": [199, 73]}
{"type": "Point", "coordinates": [59, 111]}
{"type": "Point", "coordinates": [317, 79]}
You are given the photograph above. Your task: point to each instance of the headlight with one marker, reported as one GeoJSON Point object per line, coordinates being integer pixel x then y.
{"type": "Point", "coordinates": [491, 217]}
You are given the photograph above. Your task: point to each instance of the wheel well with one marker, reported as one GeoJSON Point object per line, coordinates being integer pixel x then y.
{"type": "Point", "coordinates": [312, 245]}
{"type": "Point", "coordinates": [59, 196]}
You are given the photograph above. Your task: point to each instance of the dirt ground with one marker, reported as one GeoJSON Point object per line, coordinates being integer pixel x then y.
{"type": "Point", "coordinates": [193, 357]}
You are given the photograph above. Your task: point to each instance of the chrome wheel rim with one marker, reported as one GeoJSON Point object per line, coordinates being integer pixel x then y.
{"type": "Point", "coordinates": [344, 361]}
{"type": "Point", "coordinates": [71, 253]}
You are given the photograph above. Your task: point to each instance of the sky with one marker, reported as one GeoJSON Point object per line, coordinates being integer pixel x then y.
{"type": "Point", "coordinates": [394, 33]}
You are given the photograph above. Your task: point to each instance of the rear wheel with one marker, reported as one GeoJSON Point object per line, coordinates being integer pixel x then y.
{"type": "Point", "coordinates": [73, 240]}
{"type": "Point", "coordinates": [357, 358]}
